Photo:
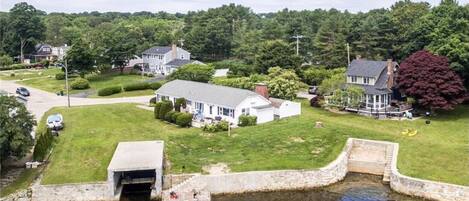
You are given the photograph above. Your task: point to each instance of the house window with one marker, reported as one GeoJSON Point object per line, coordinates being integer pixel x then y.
{"type": "Point", "coordinates": [366, 80]}
{"type": "Point", "coordinates": [245, 111]}
{"type": "Point", "coordinates": [354, 79]}
{"type": "Point", "coordinates": [210, 108]}
{"type": "Point", "coordinates": [188, 102]}
{"type": "Point", "coordinates": [164, 98]}
{"type": "Point", "coordinates": [199, 106]}
{"type": "Point", "coordinates": [225, 111]}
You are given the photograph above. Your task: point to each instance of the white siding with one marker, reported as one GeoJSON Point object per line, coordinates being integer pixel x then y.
{"type": "Point", "coordinates": [263, 115]}
{"type": "Point", "coordinates": [288, 109]}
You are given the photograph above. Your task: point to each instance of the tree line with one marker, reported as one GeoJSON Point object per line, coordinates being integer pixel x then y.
{"type": "Point", "coordinates": [236, 32]}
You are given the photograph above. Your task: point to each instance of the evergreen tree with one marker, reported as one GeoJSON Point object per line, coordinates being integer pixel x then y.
{"type": "Point", "coordinates": [330, 43]}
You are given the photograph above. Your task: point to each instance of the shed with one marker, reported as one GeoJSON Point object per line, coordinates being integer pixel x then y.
{"type": "Point", "coordinates": [285, 108]}
{"type": "Point", "coordinates": [136, 163]}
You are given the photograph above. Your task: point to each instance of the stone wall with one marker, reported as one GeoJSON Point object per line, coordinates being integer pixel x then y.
{"type": "Point", "coordinates": [425, 188]}
{"type": "Point", "coordinates": [75, 192]}
{"type": "Point", "coordinates": [262, 180]}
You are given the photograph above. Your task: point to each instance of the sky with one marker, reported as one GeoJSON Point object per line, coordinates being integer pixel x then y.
{"type": "Point", "coordinates": [182, 6]}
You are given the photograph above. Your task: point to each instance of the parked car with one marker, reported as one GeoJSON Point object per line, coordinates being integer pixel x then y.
{"type": "Point", "coordinates": [22, 91]}
{"type": "Point", "coordinates": [313, 89]}
{"type": "Point", "coordinates": [55, 122]}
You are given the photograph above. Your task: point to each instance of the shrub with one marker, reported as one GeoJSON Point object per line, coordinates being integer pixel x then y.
{"type": "Point", "coordinates": [12, 75]}
{"type": "Point", "coordinates": [60, 76]}
{"type": "Point", "coordinates": [168, 116]}
{"type": "Point", "coordinates": [184, 120]}
{"type": "Point", "coordinates": [155, 85]}
{"type": "Point", "coordinates": [175, 116]}
{"type": "Point", "coordinates": [315, 102]}
{"type": "Point", "coordinates": [247, 120]}
{"type": "Point", "coordinates": [180, 102]}
{"type": "Point", "coordinates": [217, 127]}
{"type": "Point", "coordinates": [166, 107]}
{"type": "Point", "coordinates": [94, 77]}
{"type": "Point", "coordinates": [109, 90]}
{"type": "Point", "coordinates": [136, 86]}
{"type": "Point", "coordinates": [157, 109]}
{"type": "Point", "coordinates": [5, 61]}
{"type": "Point", "coordinates": [43, 145]}
{"type": "Point", "coordinates": [80, 83]}
{"type": "Point", "coordinates": [152, 100]}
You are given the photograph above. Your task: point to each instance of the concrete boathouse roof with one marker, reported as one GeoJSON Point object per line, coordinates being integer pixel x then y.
{"type": "Point", "coordinates": [207, 93]}
{"type": "Point", "coordinates": [139, 155]}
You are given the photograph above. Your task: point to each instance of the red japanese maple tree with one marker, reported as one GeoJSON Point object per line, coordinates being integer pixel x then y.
{"type": "Point", "coordinates": [429, 80]}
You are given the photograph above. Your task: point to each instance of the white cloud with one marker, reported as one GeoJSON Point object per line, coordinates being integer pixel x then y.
{"type": "Point", "coordinates": [183, 6]}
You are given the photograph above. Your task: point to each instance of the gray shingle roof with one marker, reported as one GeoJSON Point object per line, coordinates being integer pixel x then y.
{"type": "Point", "coordinates": [178, 62]}
{"type": "Point", "coordinates": [158, 50]}
{"type": "Point", "coordinates": [366, 68]}
{"type": "Point", "coordinates": [207, 93]}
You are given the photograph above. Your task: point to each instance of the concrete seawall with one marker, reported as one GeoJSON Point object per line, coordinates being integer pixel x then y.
{"type": "Point", "coordinates": [363, 156]}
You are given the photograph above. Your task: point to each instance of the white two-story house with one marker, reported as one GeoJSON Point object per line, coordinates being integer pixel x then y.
{"type": "Point", "coordinates": [166, 59]}
{"type": "Point", "coordinates": [377, 80]}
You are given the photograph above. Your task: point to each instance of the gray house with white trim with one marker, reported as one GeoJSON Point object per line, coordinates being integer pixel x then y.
{"type": "Point", "coordinates": [377, 80]}
{"type": "Point", "coordinates": [166, 59]}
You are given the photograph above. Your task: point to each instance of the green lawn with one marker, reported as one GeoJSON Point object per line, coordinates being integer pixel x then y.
{"type": "Point", "coordinates": [28, 73]}
{"type": "Point", "coordinates": [50, 84]}
{"type": "Point", "coordinates": [84, 149]}
{"type": "Point", "coordinates": [25, 178]}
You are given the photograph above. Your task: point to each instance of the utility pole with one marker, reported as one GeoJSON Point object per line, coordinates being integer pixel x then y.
{"type": "Point", "coordinates": [348, 53]}
{"type": "Point", "coordinates": [66, 83]}
{"type": "Point", "coordinates": [298, 37]}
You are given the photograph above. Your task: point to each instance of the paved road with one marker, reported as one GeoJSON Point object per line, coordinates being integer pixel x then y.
{"type": "Point", "coordinates": [41, 101]}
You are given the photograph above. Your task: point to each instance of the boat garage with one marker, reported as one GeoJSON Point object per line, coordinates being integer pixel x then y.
{"type": "Point", "coordinates": [135, 163]}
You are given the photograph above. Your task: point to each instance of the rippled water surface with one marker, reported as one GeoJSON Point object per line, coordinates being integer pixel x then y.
{"type": "Point", "coordinates": [355, 187]}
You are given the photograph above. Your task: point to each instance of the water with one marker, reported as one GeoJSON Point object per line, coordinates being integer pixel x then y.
{"type": "Point", "coordinates": [355, 187]}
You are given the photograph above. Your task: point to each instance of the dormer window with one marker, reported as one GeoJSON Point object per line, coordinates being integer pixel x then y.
{"type": "Point", "coordinates": [354, 79]}
{"type": "Point", "coordinates": [366, 80]}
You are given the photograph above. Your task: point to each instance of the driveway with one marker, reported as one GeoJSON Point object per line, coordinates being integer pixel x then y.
{"type": "Point", "coordinates": [41, 101]}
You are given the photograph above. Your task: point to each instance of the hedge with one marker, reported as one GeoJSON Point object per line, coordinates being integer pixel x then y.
{"type": "Point", "coordinates": [180, 102]}
{"type": "Point", "coordinates": [155, 85]}
{"type": "Point", "coordinates": [157, 109]}
{"type": "Point", "coordinates": [136, 86]}
{"type": "Point", "coordinates": [175, 116]}
{"type": "Point", "coordinates": [168, 116]}
{"type": "Point", "coordinates": [166, 106]}
{"type": "Point", "coordinates": [60, 76]}
{"type": "Point", "coordinates": [80, 83]}
{"type": "Point", "coordinates": [109, 90]}
{"type": "Point", "coordinates": [43, 145]}
{"type": "Point", "coordinates": [184, 120]}
{"type": "Point", "coordinates": [246, 120]}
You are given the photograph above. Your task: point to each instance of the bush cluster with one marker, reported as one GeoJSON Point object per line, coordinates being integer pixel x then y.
{"type": "Point", "coordinates": [60, 76]}
{"type": "Point", "coordinates": [80, 83]}
{"type": "Point", "coordinates": [184, 120]}
{"type": "Point", "coordinates": [247, 120]}
{"type": "Point", "coordinates": [216, 127]}
{"type": "Point", "coordinates": [164, 111]}
{"type": "Point", "coordinates": [109, 91]}
{"type": "Point", "coordinates": [43, 145]}
{"type": "Point", "coordinates": [155, 85]}
{"type": "Point", "coordinates": [136, 86]}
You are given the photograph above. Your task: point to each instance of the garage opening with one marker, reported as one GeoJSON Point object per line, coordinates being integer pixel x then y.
{"type": "Point", "coordinates": [136, 170]}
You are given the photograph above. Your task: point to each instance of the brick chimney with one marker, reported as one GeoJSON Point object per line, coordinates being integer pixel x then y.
{"type": "Point", "coordinates": [390, 73]}
{"type": "Point", "coordinates": [262, 90]}
{"type": "Point", "coordinates": [174, 53]}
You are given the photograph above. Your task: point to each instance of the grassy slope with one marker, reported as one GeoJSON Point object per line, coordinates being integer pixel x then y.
{"type": "Point", "coordinates": [438, 152]}
{"type": "Point", "coordinates": [28, 73]}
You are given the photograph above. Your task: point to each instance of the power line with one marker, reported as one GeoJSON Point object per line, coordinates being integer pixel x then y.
{"type": "Point", "coordinates": [298, 37]}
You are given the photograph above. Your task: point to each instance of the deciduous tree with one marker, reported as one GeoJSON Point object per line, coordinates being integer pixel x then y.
{"type": "Point", "coordinates": [428, 79]}
{"type": "Point", "coordinates": [193, 72]}
{"type": "Point", "coordinates": [16, 125]}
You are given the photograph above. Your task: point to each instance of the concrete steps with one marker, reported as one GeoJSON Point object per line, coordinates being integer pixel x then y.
{"type": "Point", "coordinates": [387, 168]}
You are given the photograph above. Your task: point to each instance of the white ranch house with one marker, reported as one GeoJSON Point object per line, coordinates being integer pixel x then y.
{"type": "Point", "coordinates": [215, 102]}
